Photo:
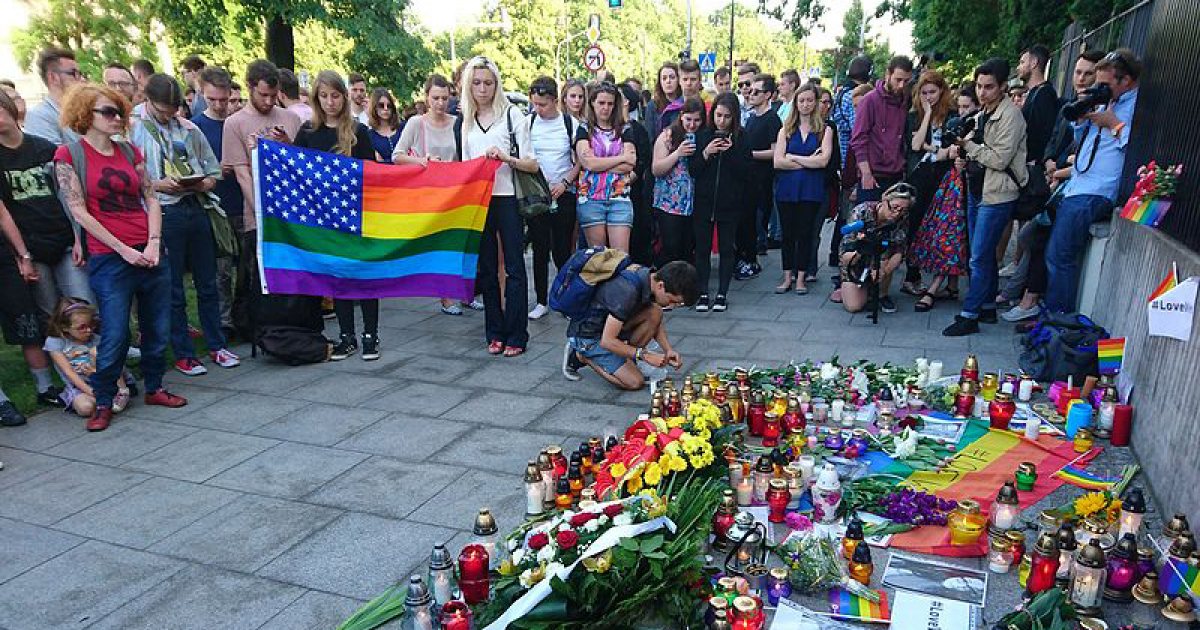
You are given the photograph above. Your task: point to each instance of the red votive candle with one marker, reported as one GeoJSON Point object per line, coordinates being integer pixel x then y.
{"type": "Point", "coordinates": [1122, 425]}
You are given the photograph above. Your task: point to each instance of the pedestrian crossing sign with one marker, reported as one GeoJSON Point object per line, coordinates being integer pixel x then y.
{"type": "Point", "coordinates": [708, 62]}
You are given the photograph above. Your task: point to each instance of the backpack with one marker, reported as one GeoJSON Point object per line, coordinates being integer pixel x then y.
{"type": "Point", "coordinates": [1062, 345]}
{"type": "Point", "coordinates": [293, 345]}
{"type": "Point", "coordinates": [577, 280]}
{"type": "Point", "coordinates": [289, 328]}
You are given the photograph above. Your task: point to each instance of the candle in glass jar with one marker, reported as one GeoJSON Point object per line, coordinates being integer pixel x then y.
{"type": "Point", "coordinates": [736, 474]}
{"type": "Point", "coordinates": [745, 492]}
{"type": "Point", "coordinates": [456, 616]}
{"type": "Point", "coordinates": [935, 370]}
{"type": "Point", "coordinates": [836, 408]}
{"type": "Point", "coordinates": [821, 410]}
{"type": "Point", "coordinates": [808, 463]}
{"type": "Point", "coordinates": [1025, 389]}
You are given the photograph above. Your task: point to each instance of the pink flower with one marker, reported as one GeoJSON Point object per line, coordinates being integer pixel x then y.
{"type": "Point", "coordinates": [798, 521]}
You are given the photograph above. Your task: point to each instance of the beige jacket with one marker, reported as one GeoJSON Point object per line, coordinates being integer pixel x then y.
{"type": "Point", "coordinates": [1003, 148]}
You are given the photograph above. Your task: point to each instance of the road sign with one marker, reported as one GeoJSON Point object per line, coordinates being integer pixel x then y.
{"type": "Point", "coordinates": [594, 58]}
{"type": "Point", "coordinates": [708, 62]}
{"type": "Point", "coordinates": [593, 29]}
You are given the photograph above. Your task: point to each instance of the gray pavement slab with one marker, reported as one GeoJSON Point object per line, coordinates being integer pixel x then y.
{"type": "Point", "coordinates": [21, 466]}
{"type": "Point", "coordinates": [322, 425]}
{"type": "Point", "coordinates": [61, 492]}
{"type": "Point", "coordinates": [314, 611]}
{"type": "Point", "coordinates": [406, 437]}
{"type": "Point", "coordinates": [288, 471]}
{"type": "Point", "coordinates": [386, 486]}
{"type": "Point", "coordinates": [201, 455]}
{"type": "Point", "coordinates": [122, 442]}
{"type": "Point", "coordinates": [26, 546]}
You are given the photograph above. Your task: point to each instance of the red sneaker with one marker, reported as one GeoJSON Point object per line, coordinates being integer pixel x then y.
{"type": "Point", "coordinates": [100, 419]}
{"type": "Point", "coordinates": [165, 398]}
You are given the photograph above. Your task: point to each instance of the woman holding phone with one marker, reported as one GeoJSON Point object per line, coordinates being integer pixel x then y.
{"type": "Point", "coordinates": [673, 188]}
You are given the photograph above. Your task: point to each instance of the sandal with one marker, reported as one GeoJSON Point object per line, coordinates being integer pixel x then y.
{"type": "Point", "coordinates": [496, 347]}
{"type": "Point", "coordinates": [513, 351]}
{"type": "Point", "coordinates": [913, 288]}
{"type": "Point", "coordinates": [924, 307]}
{"type": "Point", "coordinates": [801, 290]}
{"type": "Point", "coordinates": [783, 288]}
{"type": "Point", "coordinates": [836, 296]}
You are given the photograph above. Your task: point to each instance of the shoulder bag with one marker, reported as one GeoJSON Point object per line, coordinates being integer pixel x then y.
{"type": "Point", "coordinates": [530, 189]}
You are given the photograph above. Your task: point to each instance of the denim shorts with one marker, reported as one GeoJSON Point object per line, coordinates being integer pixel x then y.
{"type": "Point", "coordinates": [595, 212]}
{"type": "Point", "coordinates": [592, 350]}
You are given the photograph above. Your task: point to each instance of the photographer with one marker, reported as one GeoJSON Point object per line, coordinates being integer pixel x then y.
{"type": "Point", "coordinates": [881, 233]}
{"type": "Point", "coordinates": [1102, 134]}
{"type": "Point", "coordinates": [998, 145]}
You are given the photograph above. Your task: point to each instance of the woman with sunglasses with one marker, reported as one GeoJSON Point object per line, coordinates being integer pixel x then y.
{"type": "Point", "coordinates": [802, 152]}
{"type": "Point", "coordinates": [883, 219]}
{"type": "Point", "coordinates": [385, 126]}
{"type": "Point", "coordinates": [117, 208]}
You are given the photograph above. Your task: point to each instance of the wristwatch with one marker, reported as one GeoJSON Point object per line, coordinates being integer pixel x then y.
{"type": "Point", "coordinates": [25, 256]}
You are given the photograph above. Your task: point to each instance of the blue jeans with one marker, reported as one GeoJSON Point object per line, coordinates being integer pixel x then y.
{"type": "Point", "coordinates": [986, 224]}
{"type": "Point", "coordinates": [510, 324]}
{"type": "Point", "coordinates": [1068, 237]}
{"type": "Point", "coordinates": [115, 283]}
{"type": "Point", "coordinates": [187, 234]}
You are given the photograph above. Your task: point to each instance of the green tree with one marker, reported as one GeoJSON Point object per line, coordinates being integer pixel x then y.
{"type": "Point", "coordinates": [100, 32]}
{"type": "Point", "coordinates": [773, 51]}
{"type": "Point", "coordinates": [856, 39]}
{"type": "Point", "coordinates": [799, 15]}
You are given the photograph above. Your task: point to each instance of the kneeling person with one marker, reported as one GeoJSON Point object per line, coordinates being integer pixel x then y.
{"type": "Point", "coordinates": [875, 220]}
{"type": "Point", "coordinates": [625, 316]}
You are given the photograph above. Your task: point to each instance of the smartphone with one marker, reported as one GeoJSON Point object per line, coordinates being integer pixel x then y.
{"type": "Point", "coordinates": [691, 137]}
{"type": "Point", "coordinates": [721, 135]}
{"type": "Point", "coordinates": [191, 180]}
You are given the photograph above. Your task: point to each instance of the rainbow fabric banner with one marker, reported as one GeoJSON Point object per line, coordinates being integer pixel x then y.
{"type": "Point", "coordinates": [1168, 283]}
{"type": "Point", "coordinates": [1150, 212]}
{"type": "Point", "coordinates": [1084, 479]}
{"type": "Point", "coordinates": [335, 226]}
{"type": "Point", "coordinates": [1111, 353]}
{"type": "Point", "coordinates": [847, 606]}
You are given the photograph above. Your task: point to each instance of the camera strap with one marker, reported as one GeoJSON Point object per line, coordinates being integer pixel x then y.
{"type": "Point", "coordinates": [1095, 147]}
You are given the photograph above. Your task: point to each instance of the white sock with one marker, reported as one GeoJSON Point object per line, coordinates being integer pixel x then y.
{"type": "Point", "coordinates": [41, 376]}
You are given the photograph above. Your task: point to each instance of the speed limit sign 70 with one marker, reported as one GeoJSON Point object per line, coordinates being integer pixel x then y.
{"type": "Point", "coordinates": [594, 58]}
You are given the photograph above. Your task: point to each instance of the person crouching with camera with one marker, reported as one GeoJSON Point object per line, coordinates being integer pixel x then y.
{"type": "Point", "coordinates": [874, 238]}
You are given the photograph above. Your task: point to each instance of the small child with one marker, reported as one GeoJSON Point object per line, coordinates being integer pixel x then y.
{"type": "Point", "coordinates": [71, 342]}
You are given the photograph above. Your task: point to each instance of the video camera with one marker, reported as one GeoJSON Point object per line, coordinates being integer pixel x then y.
{"type": "Point", "coordinates": [958, 128]}
{"type": "Point", "coordinates": [1089, 99]}
{"type": "Point", "coordinates": [870, 246]}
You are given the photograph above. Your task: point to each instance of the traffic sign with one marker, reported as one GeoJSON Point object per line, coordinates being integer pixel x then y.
{"type": "Point", "coordinates": [594, 58]}
{"type": "Point", "coordinates": [593, 29]}
{"type": "Point", "coordinates": [708, 62]}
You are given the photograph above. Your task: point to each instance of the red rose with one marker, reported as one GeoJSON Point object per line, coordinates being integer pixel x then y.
{"type": "Point", "coordinates": [567, 539]}
{"type": "Point", "coordinates": [581, 519]}
{"type": "Point", "coordinates": [538, 540]}
{"type": "Point", "coordinates": [611, 511]}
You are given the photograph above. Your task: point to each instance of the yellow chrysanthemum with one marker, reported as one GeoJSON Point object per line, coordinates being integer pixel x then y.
{"type": "Point", "coordinates": [1090, 503]}
{"type": "Point", "coordinates": [617, 470]}
{"type": "Point", "coordinates": [1114, 510]}
{"type": "Point", "coordinates": [660, 425]}
{"type": "Point", "coordinates": [634, 484]}
{"type": "Point", "coordinates": [653, 474]}
{"type": "Point", "coordinates": [672, 448]}
{"type": "Point", "coordinates": [675, 422]}
{"type": "Point", "coordinates": [658, 507]}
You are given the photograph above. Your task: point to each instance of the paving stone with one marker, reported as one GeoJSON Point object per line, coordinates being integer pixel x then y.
{"type": "Point", "coordinates": [147, 512]}
{"type": "Point", "coordinates": [288, 470]}
{"type": "Point", "coordinates": [466, 345]}
{"type": "Point", "coordinates": [501, 450]}
{"type": "Point", "coordinates": [511, 377]}
{"type": "Point", "coordinates": [784, 330]}
{"type": "Point", "coordinates": [277, 381]}
{"type": "Point", "coordinates": [314, 611]}
{"type": "Point", "coordinates": [26, 546]}
{"type": "Point", "coordinates": [21, 466]}
{"type": "Point", "coordinates": [501, 409]}
{"type": "Point", "coordinates": [423, 399]}
{"type": "Point", "coordinates": [240, 412]}
{"type": "Point", "coordinates": [457, 505]}
{"type": "Point", "coordinates": [434, 369]}
{"type": "Point", "coordinates": [342, 389]}
{"type": "Point", "coordinates": [586, 418]}
{"type": "Point", "coordinates": [997, 339]}
{"type": "Point", "coordinates": [678, 326]}
{"type": "Point", "coordinates": [925, 339]}
{"type": "Point", "coordinates": [358, 556]}
{"type": "Point", "coordinates": [714, 346]}
{"type": "Point", "coordinates": [323, 425]}
{"type": "Point", "coordinates": [121, 442]}
{"type": "Point", "coordinates": [879, 356]}
{"type": "Point", "coordinates": [819, 334]}
{"type": "Point", "coordinates": [201, 598]}
{"type": "Point", "coordinates": [80, 586]}
{"type": "Point", "coordinates": [198, 397]}
{"type": "Point", "coordinates": [217, 376]}
{"type": "Point", "coordinates": [63, 491]}
{"type": "Point", "coordinates": [43, 431]}
{"type": "Point", "coordinates": [247, 533]}
{"type": "Point", "coordinates": [406, 437]}
{"type": "Point", "coordinates": [386, 486]}
{"type": "Point", "coordinates": [784, 351]}
{"type": "Point", "coordinates": [201, 455]}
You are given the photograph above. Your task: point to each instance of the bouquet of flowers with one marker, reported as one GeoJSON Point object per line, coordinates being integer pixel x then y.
{"type": "Point", "coordinates": [1151, 198]}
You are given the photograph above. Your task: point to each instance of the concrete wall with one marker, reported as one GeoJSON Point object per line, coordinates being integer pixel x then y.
{"type": "Point", "coordinates": [1165, 371]}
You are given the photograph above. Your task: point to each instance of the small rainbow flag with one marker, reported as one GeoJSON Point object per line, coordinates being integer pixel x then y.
{"type": "Point", "coordinates": [1110, 352]}
{"type": "Point", "coordinates": [356, 229]}
{"type": "Point", "coordinates": [1170, 581]}
{"type": "Point", "coordinates": [1168, 283]}
{"type": "Point", "coordinates": [1084, 479]}
{"type": "Point", "coordinates": [847, 606]}
{"type": "Point", "coordinates": [1149, 212]}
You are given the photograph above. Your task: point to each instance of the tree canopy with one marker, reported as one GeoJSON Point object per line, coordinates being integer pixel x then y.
{"type": "Point", "coordinates": [100, 32]}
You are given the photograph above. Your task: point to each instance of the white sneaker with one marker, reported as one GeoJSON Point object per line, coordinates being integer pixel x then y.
{"type": "Point", "coordinates": [225, 358]}
{"type": "Point", "coordinates": [453, 309]}
{"type": "Point", "coordinates": [571, 364]}
{"type": "Point", "coordinates": [538, 311]}
{"type": "Point", "coordinates": [121, 400]}
{"type": "Point", "coordinates": [1008, 270]}
{"type": "Point", "coordinates": [1018, 314]}
{"type": "Point", "coordinates": [474, 305]}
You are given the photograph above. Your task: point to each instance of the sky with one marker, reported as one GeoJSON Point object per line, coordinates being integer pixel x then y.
{"type": "Point", "coordinates": [440, 15]}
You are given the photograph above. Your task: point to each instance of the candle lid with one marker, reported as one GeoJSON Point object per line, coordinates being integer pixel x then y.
{"type": "Point", "coordinates": [828, 478]}
{"type": "Point", "coordinates": [862, 554]}
{"type": "Point", "coordinates": [968, 506]}
{"type": "Point", "coordinates": [532, 473]}
{"type": "Point", "coordinates": [1126, 547]}
{"type": "Point", "coordinates": [1007, 494]}
{"type": "Point", "coordinates": [728, 501]}
{"type": "Point", "coordinates": [485, 523]}
{"type": "Point", "coordinates": [1065, 537]}
{"type": "Point", "coordinates": [1183, 546]}
{"type": "Point", "coordinates": [554, 451]}
{"type": "Point", "coordinates": [418, 595]}
{"type": "Point", "coordinates": [1135, 502]}
{"type": "Point", "coordinates": [1003, 397]}
{"type": "Point", "coordinates": [779, 573]}
{"type": "Point", "coordinates": [1091, 555]}
{"type": "Point", "coordinates": [1046, 545]}
{"type": "Point", "coordinates": [1017, 538]}
{"type": "Point", "coordinates": [854, 529]}
{"type": "Point", "coordinates": [778, 484]}
{"type": "Point", "coordinates": [745, 605]}
{"type": "Point", "coordinates": [440, 558]}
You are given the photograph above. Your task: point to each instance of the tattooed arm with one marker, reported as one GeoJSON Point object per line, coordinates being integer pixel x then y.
{"type": "Point", "coordinates": [153, 218]}
{"type": "Point", "coordinates": [68, 182]}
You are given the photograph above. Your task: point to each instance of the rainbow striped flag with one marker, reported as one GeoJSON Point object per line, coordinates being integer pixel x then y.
{"type": "Point", "coordinates": [1168, 283]}
{"type": "Point", "coordinates": [1084, 479]}
{"type": "Point", "coordinates": [335, 226]}
{"type": "Point", "coordinates": [1110, 352]}
{"type": "Point", "coordinates": [1148, 212]}
{"type": "Point", "coordinates": [847, 606]}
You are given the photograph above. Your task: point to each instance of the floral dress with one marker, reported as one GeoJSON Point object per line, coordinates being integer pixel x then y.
{"type": "Point", "coordinates": [940, 246]}
{"type": "Point", "coordinates": [673, 193]}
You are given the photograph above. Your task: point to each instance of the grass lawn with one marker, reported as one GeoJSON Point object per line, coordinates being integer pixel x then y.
{"type": "Point", "coordinates": [18, 383]}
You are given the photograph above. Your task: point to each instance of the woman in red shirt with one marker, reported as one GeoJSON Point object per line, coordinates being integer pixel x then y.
{"type": "Point", "coordinates": [119, 213]}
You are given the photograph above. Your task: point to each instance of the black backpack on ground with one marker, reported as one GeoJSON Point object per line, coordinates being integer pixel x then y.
{"type": "Point", "coordinates": [289, 328]}
{"type": "Point", "coordinates": [1062, 345]}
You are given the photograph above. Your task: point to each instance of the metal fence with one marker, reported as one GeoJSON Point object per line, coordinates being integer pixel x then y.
{"type": "Point", "coordinates": [1129, 29]}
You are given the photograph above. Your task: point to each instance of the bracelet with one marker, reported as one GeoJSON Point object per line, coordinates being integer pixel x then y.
{"type": "Point", "coordinates": [637, 353]}
{"type": "Point", "coordinates": [25, 256]}
{"type": "Point", "coordinates": [155, 238]}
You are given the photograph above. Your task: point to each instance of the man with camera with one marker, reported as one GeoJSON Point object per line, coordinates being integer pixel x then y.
{"type": "Point", "coordinates": [997, 145]}
{"type": "Point", "coordinates": [1103, 116]}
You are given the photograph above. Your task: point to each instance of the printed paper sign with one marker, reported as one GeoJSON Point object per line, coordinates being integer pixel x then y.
{"type": "Point", "coordinates": [1170, 313]}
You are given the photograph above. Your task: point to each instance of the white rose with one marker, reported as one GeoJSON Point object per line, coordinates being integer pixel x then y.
{"type": "Point", "coordinates": [518, 556]}
{"type": "Point", "coordinates": [603, 520]}
{"type": "Point", "coordinates": [553, 569]}
{"type": "Point", "coordinates": [622, 519]}
{"type": "Point", "coordinates": [513, 544]}
{"type": "Point", "coordinates": [545, 554]}
{"type": "Point", "coordinates": [526, 578]}
{"type": "Point", "coordinates": [592, 525]}
{"type": "Point", "coordinates": [829, 371]}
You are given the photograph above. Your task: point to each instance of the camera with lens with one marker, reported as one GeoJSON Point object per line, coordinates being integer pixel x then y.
{"type": "Point", "coordinates": [870, 245]}
{"type": "Point", "coordinates": [957, 128]}
{"type": "Point", "coordinates": [1089, 99]}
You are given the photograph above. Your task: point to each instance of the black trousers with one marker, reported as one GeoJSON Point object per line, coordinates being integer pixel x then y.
{"type": "Point", "coordinates": [796, 219]}
{"type": "Point", "coordinates": [507, 323]}
{"type": "Point", "coordinates": [344, 309]}
{"type": "Point", "coordinates": [726, 239]}
{"type": "Point", "coordinates": [677, 236]}
{"type": "Point", "coordinates": [761, 197]}
{"type": "Point", "coordinates": [551, 236]}
{"type": "Point", "coordinates": [641, 235]}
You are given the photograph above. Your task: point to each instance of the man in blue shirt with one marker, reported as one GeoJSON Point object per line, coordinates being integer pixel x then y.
{"type": "Point", "coordinates": [1102, 137]}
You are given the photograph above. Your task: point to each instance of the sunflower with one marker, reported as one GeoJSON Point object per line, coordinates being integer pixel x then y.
{"type": "Point", "coordinates": [634, 484]}
{"type": "Point", "coordinates": [1090, 503]}
{"type": "Point", "coordinates": [1114, 510]}
{"type": "Point", "coordinates": [617, 470]}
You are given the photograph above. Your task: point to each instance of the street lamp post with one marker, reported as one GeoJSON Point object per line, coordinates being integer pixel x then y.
{"type": "Point", "coordinates": [592, 29]}
{"type": "Point", "coordinates": [505, 24]}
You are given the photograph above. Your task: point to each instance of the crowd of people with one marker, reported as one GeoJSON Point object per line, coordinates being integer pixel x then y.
{"type": "Point", "coordinates": [114, 192]}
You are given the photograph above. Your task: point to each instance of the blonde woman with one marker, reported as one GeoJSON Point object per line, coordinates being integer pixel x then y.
{"type": "Point", "coordinates": [489, 123]}
{"type": "Point", "coordinates": [802, 151]}
{"type": "Point", "coordinates": [334, 129]}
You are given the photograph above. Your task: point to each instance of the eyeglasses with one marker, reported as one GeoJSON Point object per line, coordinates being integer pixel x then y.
{"type": "Point", "coordinates": [73, 72]}
{"type": "Point", "coordinates": [111, 113]}
{"type": "Point", "coordinates": [383, 105]}
{"type": "Point", "coordinates": [120, 85]}
{"type": "Point", "coordinates": [756, 92]}
{"type": "Point", "coordinates": [743, 84]}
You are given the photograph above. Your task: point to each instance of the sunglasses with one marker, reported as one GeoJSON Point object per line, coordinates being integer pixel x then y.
{"type": "Point", "coordinates": [383, 105]}
{"type": "Point", "coordinates": [743, 84]}
{"type": "Point", "coordinates": [110, 113]}
{"type": "Point", "coordinates": [541, 92]}
{"type": "Point", "coordinates": [756, 92]}
{"type": "Point", "coordinates": [73, 72]}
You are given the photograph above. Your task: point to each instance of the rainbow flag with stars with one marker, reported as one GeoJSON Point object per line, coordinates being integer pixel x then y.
{"type": "Point", "coordinates": [336, 226]}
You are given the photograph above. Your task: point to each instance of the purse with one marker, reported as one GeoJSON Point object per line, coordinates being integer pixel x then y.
{"type": "Point", "coordinates": [531, 190]}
